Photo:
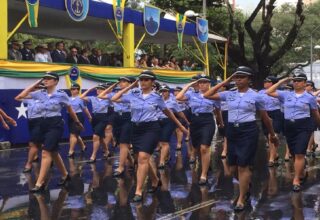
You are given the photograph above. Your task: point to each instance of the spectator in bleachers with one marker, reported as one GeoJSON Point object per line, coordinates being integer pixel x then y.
{"type": "Point", "coordinates": [26, 51]}
{"type": "Point", "coordinates": [185, 65]}
{"type": "Point", "coordinates": [73, 56]}
{"type": "Point", "coordinates": [83, 58]}
{"type": "Point", "coordinates": [96, 58]}
{"type": "Point", "coordinates": [155, 63]}
{"type": "Point", "coordinates": [14, 53]}
{"type": "Point", "coordinates": [59, 55]}
{"type": "Point", "coordinates": [177, 65]}
{"type": "Point", "coordinates": [42, 54]}
{"type": "Point", "coordinates": [143, 61]}
{"type": "Point", "coordinates": [93, 56]}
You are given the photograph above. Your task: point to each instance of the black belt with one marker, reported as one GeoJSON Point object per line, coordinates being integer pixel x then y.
{"type": "Point", "coordinates": [237, 125]}
{"type": "Point", "coordinates": [123, 113]}
{"type": "Point", "coordinates": [297, 120]}
{"type": "Point", "coordinates": [275, 110]}
{"type": "Point", "coordinates": [52, 117]}
{"type": "Point", "coordinates": [144, 123]}
{"type": "Point", "coordinates": [202, 114]}
{"type": "Point", "coordinates": [97, 114]}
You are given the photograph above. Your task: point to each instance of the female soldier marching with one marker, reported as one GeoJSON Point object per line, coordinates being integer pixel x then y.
{"type": "Point", "coordinates": [242, 130]}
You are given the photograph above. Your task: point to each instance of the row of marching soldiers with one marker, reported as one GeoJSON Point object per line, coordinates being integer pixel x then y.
{"type": "Point", "coordinates": [146, 115]}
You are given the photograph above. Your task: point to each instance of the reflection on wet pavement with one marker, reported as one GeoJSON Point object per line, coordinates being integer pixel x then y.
{"type": "Point", "coordinates": [94, 194]}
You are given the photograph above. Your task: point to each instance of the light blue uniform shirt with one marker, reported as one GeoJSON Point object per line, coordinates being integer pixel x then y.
{"type": "Point", "coordinates": [143, 109]}
{"type": "Point", "coordinates": [119, 107]}
{"type": "Point", "coordinates": [297, 107]}
{"type": "Point", "coordinates": [199, 104]}
{"type": "Point", "coordinates": [271, 103]}
{"type": "Point", "coordinates": [242, 108]}
{"type": "Point", "coordinates": [77, 104]}
{"type": "Point", "coordinates": [51, 104]}
{"type": "Point", "coordinates": [171, 104]}
{"type": "Point", "coordinates": [99, 105]}
{"type": "Point", "coordinates": [35, 108]}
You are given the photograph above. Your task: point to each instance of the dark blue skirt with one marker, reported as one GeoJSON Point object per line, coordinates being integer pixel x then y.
{"type": "Point", "coordinates": [222, 131]}
{"type": "Point", "coordinates": [167, 128]}
{"type": "Point", "coordinates": [99, 124]}
{"type": "Point", "coordinates": [242, 143]}
{"type": "Point", "coordinates": [73, 128]}
{"type": "Point", "coordinates": [35, 129]}
{"type": "Point", "coordinates": [111, 115]}
{"type": "Point", "coordinates": [122, 128]}
{"type": "Point", "coordinates": [145, 136]}
{"type": "Point", "coordinates": [202, 128]}
{"type": "Point", "coordinates": [298, 133]}
{"type": "Point", "coordinates": [51, 132]}
{"type": "Point", "coordinates": [277, 122]}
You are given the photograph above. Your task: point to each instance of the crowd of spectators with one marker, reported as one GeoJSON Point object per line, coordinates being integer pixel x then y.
{"type": "Point", "coordinates": [172, 63]}
{"type": "Point", "coordinates": [57, 53]}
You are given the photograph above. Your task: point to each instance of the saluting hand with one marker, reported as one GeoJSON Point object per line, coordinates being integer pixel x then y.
{"type": "Point", "coordinates": [136, 83]}
{"type": "Point", "coordinates": [286, 79]}
{"type": "Point", "coordinates": [192, 83]}
{"type": "Point", "coordinates": [229, 79]}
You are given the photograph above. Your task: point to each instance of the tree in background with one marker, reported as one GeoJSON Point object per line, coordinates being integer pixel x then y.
{"type": "Point", "coordinates": [268, 44]}
{"type": "Point", "coordinates": [259, 40]}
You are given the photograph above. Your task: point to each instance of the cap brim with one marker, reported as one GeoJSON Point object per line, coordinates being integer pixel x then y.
{"type": "Point", "coordinates": [164, 90]}
{"type": "Point", "coordinates": [243, 73]}
{"type": "Point", "coordinates": [204, 79]}
{"type": "Point", "coordinates": [146, 76]}
{"type": "Point", "coordinates": [50, 76]}
{"type": "Point", "coordinates": [124, 78]}
{"type": "Point", "coordinates": [303, 78]}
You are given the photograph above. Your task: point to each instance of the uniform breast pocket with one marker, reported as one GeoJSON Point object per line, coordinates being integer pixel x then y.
{"type": "Point", "coordinates": [53, 104]}
{"type": "Point", "coordinates": [304, 105]}
{"type": "Point", "coordinates": [249, 104]}
{"type": "Point", "coordinates": [151, 106]}
{"type": "Point", "coordinates": [136, 105]}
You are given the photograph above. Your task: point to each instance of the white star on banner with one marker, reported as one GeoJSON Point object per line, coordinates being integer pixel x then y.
{"type": "Point", "coordinates": [22, 111]}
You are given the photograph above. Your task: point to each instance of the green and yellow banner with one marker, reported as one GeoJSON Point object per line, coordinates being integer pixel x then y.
{"type": "Point", "coordinates": [33, 9]}
{"type": "Point", "coordinates": [118, 10]}
{"type": "Point", "coordinates": [180, 23]}
{"type": "Point", "coordinates": [74, 73]}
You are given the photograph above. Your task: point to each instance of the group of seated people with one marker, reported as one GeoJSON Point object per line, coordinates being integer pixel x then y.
{"type": "Point", "coordinates": [48, 53]}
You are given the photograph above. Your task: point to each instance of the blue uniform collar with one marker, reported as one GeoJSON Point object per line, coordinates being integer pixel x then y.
{"type": "Point", "coordinates": [150, 95]}
{"type": "Point", "coordinates": [305, 93]}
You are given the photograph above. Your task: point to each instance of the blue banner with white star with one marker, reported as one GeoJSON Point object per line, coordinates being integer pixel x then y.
{"type": "Point", "coordinates": [19, 112]}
